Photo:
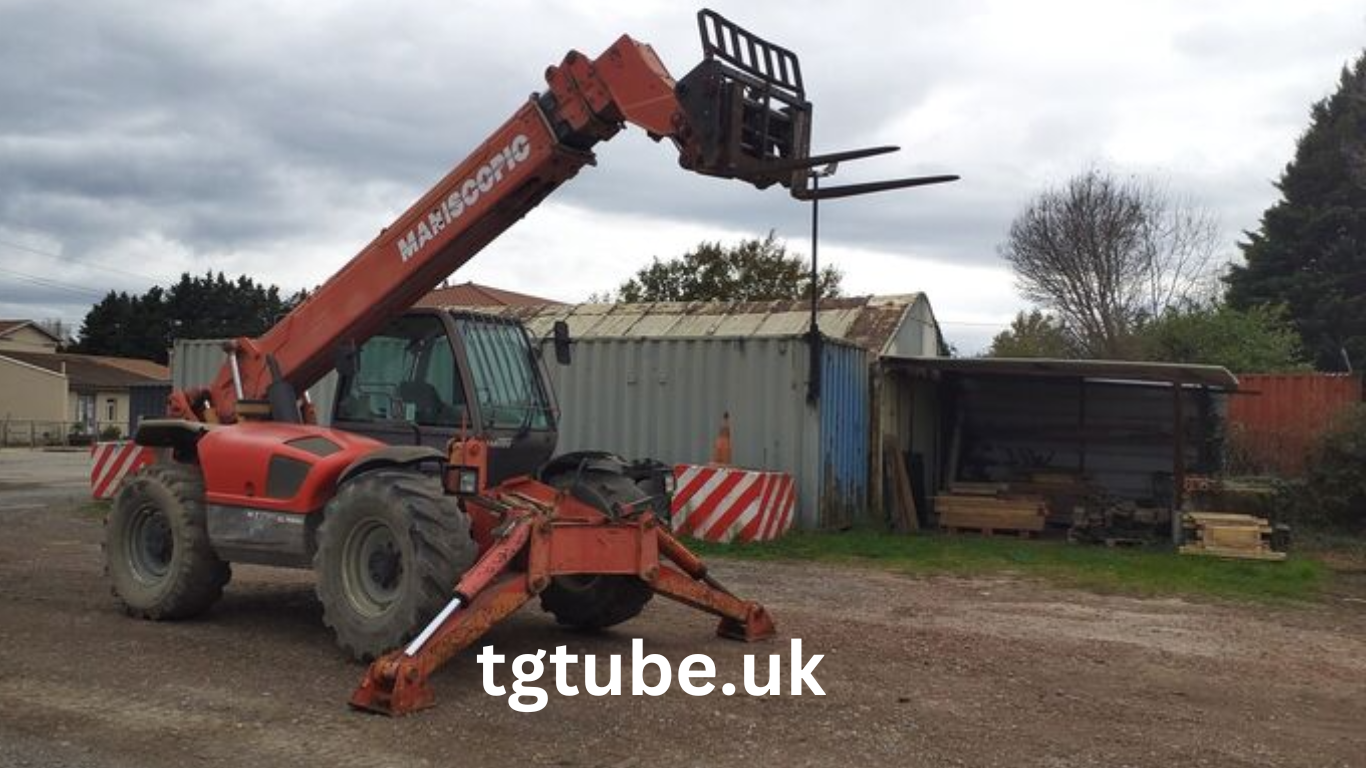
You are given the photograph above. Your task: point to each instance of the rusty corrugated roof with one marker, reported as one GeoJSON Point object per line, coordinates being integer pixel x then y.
{"type": "Point", "coordinates": [867, 321]}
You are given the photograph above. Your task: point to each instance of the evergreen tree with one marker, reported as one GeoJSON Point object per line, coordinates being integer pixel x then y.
{"type": "Point", "coordinates": [208, 307]}
{"type": "Point", "coordinates": [1310, 251]}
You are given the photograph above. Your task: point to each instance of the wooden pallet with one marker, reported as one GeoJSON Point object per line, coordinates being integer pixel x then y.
{"type": "Point", "coordinates": [953, 530]}
{"type": "Point", "coordinates": [1233, 552]}
{"type": "Point", "coordinates": [1220, 534]}
{"type": "Point", "coordinates": [965, 488]}
{"type": "Point", "coordinates": [987, 513]}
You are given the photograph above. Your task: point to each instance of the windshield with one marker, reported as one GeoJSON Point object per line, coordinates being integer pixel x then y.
{"type": "Point", "coordinates": [504, 373]}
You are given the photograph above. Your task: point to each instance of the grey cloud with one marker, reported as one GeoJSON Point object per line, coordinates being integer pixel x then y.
{"type": "Point", "coordinates": [231, 126]}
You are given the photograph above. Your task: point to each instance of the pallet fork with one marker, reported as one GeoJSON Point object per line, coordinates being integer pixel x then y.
{"type": "Point", "coordinates": [546, 533]}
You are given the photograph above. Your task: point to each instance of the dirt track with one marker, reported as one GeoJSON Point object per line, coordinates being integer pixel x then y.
{"type": "Point", "coordinates": [918, 672]}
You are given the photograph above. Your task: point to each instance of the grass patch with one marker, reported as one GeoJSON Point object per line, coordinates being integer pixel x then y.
{"type": "Point", "coordinates": [1146, 572]}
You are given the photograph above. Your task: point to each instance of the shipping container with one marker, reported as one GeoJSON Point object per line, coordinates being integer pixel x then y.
{"type": "Point", "coordinates": [1275, 419]}
{"type": "Point", "coordinates": [665, 398]}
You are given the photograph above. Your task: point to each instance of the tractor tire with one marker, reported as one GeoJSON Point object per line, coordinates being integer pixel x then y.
{"type": "Point", "coordinates": [157, 555]}
{"type": "Point", "coordinates": [391, 547]}
{"type": "Point", "coordinates": [597, 602]}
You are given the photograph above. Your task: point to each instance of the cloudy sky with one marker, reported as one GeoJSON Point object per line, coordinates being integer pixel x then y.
{"type": "Point", "coordinates": [142, 139]}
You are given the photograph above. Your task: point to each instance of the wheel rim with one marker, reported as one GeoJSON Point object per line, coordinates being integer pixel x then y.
{"type": "Point", "coordinates": [372, 570]}
{"type": "Point", "coordinates": [151, 546]}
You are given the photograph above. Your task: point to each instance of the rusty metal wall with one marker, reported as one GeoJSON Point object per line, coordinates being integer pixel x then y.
{"type": "Point", "coordinates": [195, 363]}
{"type": "Point", "coordinates": [664, 398]}
{"type": "Point", "coordinates": [1275, 418]}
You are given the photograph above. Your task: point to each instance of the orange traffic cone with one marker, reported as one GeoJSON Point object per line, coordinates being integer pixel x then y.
{"type": "Point", "coordinates": [720, 452]}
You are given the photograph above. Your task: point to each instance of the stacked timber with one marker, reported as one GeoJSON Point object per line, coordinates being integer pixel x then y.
{"type": "Point", "coordinates": [1065, 491]}
{"type": "Point", "coordinates": [987, 509]}
{"type": "Point", "coordinates": [1220, 534]}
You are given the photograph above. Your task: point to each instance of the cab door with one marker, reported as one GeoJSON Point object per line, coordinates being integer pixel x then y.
{"type": "Point", "coordinates": [406, 388]}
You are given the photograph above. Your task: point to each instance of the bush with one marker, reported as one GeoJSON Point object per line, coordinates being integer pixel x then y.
{"type": "Point", "coordinates": [111, 432]}
{"type": "Point", "coordinates": [1335, 482]}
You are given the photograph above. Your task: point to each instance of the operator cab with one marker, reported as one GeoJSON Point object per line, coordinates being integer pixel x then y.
{"type": "Point", "coordinates": [433, 375]}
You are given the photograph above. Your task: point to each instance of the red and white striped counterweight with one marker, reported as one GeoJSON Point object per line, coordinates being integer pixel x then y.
{"type": "Point", "coordinates": [111, 462]}
{"type": "Point", "coordinates": [720, 503]}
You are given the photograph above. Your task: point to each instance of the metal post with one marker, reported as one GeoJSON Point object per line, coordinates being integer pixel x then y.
{"type": "Point", "coordinates": [1081, 426]}
{"type": "Point", "coordinates": [813, 334]}
{"type": "Point", "coordinates": [1178, 460]}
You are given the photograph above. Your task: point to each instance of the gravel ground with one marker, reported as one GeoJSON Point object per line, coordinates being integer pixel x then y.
{"type": "Point", "coordinates": [917, 672]}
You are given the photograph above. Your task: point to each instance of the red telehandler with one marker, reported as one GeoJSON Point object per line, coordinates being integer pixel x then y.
{"type": "Point", "coordinates": [432, 508]}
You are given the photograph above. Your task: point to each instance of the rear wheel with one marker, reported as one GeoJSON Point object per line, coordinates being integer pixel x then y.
{"type": "Point", "coordinates": [156, 548]}
{"type": "Point", "coordinates": [597, 602]}
{"type": "Point", "coordinates": [391, 547]}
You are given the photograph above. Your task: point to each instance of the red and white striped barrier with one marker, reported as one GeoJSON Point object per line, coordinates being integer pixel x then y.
{"type": "Point", "coordinates": [111, 462]}
{"type": "Point", "coordinates": [718, 503]}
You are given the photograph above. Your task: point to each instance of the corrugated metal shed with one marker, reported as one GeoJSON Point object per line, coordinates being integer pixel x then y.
{"type": "Point", "coordinates": [830, 455]}
{"type": "Point", "coordinates": [665, 397]}
{"type": "Point", "coordinates": [1133, 429]}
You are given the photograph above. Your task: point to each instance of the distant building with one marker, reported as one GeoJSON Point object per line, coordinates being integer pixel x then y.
{"type": "Point", "coordinates": [26, 336]}
{"type": "Point", "coordinates": [476, 295]}
{"type": "Point", "coordinates": [43, 391]}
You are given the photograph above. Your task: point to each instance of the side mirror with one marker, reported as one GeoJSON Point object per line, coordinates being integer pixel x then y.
{"type": "Point", "coordinates": [562, 342]}
{"type": "Point", "coordinates": [346, 359]}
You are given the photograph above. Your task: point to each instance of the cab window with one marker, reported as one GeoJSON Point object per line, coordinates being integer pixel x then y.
{"type": "Point", "coordinates": [405, 373]}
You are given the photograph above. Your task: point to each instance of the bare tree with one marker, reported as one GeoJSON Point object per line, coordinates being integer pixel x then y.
{"type": "Point", "coordinates": [1104, 254]}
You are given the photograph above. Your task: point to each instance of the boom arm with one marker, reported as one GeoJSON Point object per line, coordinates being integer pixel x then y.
{"type": "Point", "coordinates": [544, 144]}
{"type": "Point", "coordinates": [742, 113]}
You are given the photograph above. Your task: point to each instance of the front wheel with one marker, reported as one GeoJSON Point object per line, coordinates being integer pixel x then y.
{"type": "Point", "coordinates": [156, 545]}
{"type": "Point", "coordinates": [597, 601]}
{"type": "Point", "coordinates": [391, 547]}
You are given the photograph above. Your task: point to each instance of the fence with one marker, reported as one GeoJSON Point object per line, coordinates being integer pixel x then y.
{"type": "Point", "coordinates": [1275, 419]}
{"type": "Point", "coordinates": [22, 433]}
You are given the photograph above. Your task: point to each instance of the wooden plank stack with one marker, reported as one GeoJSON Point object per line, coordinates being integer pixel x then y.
{"type": "Point", "coordinates": [986, 507]}
{"type": "Point", "coordinates": [1220, 534]}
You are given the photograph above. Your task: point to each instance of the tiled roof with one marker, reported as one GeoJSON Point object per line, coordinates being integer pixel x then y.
{"type": "Point", "coordinates": [475, 295]}
{"type": "Point", "coordinates": [10, 326]}
{"type": "Point", "coordinates": [92, 372]}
